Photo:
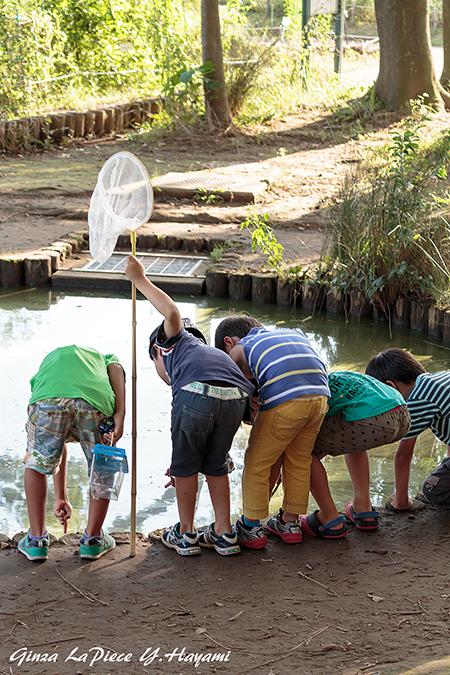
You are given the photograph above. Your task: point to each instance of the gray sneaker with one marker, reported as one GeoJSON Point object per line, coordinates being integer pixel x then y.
{"type": "Point", "coordinates": [250, 537]}
{"type": "Point", "coordinates": [290, 532]}
{"type": "Point", "coordinates": [184, 544]}
{"type": "Point", "coordinates": [224, 544]}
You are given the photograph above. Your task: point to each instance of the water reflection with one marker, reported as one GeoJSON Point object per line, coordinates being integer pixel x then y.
{"type": "Point", "coordinates": [33, 322]}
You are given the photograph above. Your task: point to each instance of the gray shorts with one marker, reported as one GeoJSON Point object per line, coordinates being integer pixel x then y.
{"type": "Point", "coordinates": [436, 488]}
{"type": "Point", "coordinates": [338, 436]}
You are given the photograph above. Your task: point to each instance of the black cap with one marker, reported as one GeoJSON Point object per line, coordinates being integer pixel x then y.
{"type": "Point", "coordinates": [187, 325]}
{"type": "Point", "coordinates": [192, 328]}
{"type": "Point", "coordinates": [152, 340]}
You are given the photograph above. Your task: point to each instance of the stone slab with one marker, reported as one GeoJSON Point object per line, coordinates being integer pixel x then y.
{"type": "Point", "coordinates": [236, 187]}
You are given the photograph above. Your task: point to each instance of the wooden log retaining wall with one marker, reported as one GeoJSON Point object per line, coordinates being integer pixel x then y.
{"type": "Point", "coordinates": [37, 131]}
{"type": "Point", "coordinates": [36, 269]}
{"type": "Point", "coordinates": [266, 288]}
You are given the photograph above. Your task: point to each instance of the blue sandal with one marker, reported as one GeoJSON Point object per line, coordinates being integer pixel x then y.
{"type": "Point", "coordinates": [312, 525]}
{"type": "Point", "coordinates": [358, 518]}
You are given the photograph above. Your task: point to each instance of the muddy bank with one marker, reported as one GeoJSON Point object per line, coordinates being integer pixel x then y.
{"type": "Point", "coordinates": [370, 603]}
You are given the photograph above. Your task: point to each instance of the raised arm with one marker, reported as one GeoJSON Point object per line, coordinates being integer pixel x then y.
{"type": "Point", "coordinates": [160, 300]}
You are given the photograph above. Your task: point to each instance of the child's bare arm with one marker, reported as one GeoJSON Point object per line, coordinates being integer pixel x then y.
{"type": "Point", "coordinates": [402, 465]}
{"type": "Point", "coordinates": [160, 300]}
{"type": "Point", "coordinates": [117, 380]}
{"type": "Point", "coordinates": [238, 356]}
{"type": "Point", "coordinates": [63, 508]}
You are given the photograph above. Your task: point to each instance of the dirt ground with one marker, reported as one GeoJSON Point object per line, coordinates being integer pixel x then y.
{"type": "Point", "coordinates": [302, 159]}
{"type": "Point", "coordinates": [373, 603]}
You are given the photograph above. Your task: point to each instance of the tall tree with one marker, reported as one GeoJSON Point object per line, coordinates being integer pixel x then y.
{"type": "Point", "coordinates": [216, 101]}
{"type": "Point", "coordinates": [406, 64]}
{"type": "Point", "coordinates": [445, 76]}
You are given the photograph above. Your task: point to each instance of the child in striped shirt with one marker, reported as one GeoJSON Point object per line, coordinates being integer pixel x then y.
{"type": "Point", "coordinates": [293, 392]}
{"type": "Point", "coordinates": [427, 397]}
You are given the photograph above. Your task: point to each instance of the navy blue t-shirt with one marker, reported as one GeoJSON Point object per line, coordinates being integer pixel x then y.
{"type": "Point", "coordinates": [188, 359]}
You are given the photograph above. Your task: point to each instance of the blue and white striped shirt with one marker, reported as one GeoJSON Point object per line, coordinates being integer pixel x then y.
{"type": "Point", "coordinates": [284, 365]}
{"type": "Point", "coordinates": [429, 405]}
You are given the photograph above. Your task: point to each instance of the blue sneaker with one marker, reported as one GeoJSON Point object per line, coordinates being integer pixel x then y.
{"type": "Point", "coordinates": [34, 549]}
{"type": "Point", "coordinates": [224, 544]}
{"type": "Point", "coordinates": [184, 544]}
{"type": "Point", "coordinates": [92, 548]}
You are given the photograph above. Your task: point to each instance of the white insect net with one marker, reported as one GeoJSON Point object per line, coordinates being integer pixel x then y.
{"type": "Point", "coordinates": [122, 198]}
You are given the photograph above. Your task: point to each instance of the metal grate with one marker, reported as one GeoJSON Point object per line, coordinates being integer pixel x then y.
{"type": "Point", "coordinates": [163, 265]}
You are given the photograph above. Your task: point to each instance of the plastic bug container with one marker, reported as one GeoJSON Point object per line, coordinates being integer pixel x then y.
{"type": "Point", "coordinates": [108, 468]}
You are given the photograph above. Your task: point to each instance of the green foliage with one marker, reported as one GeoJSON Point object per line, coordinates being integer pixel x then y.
{"type": "Point", "coordinates": [252, 57]}
{"type": "Point", "coordinates": [264, 239]}
{"type": "Point", "coordinates": [72, 54]}
{"type": "Point", "coordinates": [208, 197]}
{"type": "Point", "coordinates": [361, 12]}
{"type": "Point", "coordinates": [355, 108]}
{"type": "Point", "coordinates": [94, 47]}
{"type": "Point", "coordinates": [184, 90]}
{"type": "Point", "coordinates": [219, 250]}
{"type": "Point", "coordinates": [388, 236]}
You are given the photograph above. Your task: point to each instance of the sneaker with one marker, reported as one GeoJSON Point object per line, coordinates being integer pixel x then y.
{"type": "Point", "coordinates": [224, 544]}
{"type": "Point", "coordinates": [34, 549]}
{"type": "Point", "coordinates": [94, 547]}
{"type": "Point", "coordinates": [290, 532]}
{"type": "Point", "coordinates": [184, 544]}
{"type": "Point", "coordinates": [250, 537]}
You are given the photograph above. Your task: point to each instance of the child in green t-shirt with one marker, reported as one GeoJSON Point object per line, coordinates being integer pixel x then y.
{"type": "Point", "coordinates": [73, 391]}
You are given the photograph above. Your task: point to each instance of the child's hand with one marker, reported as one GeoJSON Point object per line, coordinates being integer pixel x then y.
{"type": "Point", "coordinates": [135, 270]}
{"type": "Point", "coordinates": [171, 481]}
{"type": "Point", "coordinates": [63, 511]}
{"type": "Point", "coordinates": [118, 429]}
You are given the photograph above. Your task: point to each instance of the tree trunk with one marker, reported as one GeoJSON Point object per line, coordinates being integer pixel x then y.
{"type": "Point", "coordinates": [216, 101]}
{"type": "Point", "coordinates": [445, 77]}
{"type": "Point", "coordinates": [406, 65]}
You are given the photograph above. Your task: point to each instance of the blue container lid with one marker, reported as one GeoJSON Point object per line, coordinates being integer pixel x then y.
{"type": "Point", "coordinates": [111, 451]}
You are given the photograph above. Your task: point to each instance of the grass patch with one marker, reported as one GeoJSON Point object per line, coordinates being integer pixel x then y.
{"type": "Point", "coordinates": [389, 231]}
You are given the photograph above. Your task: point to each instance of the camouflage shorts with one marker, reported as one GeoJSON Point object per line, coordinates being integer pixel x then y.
{"type": "Point", "coordinates": [53, 422]}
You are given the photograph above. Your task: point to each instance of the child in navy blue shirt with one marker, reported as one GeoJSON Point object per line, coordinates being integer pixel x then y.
{"type": "Point", "coordinates": [210, 398]}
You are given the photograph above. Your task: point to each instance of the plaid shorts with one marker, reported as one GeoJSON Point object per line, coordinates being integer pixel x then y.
{"type": "Point", "coordinates": [53, 422]}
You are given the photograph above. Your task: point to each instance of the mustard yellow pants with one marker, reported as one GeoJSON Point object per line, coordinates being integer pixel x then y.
{"type": "Point", "coordinates": [289, 430]}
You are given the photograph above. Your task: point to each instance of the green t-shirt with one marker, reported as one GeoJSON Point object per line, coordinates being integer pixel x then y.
{"type": "Point", "coordinates": [75, 372]}
{"type": "Point", "coordinates": [360, 396]}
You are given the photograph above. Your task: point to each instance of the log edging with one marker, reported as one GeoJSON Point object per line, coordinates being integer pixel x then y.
{"type": "Point", "coordinates": [40, 130]}
{"type": "Point", "coordinates": [36, 269]}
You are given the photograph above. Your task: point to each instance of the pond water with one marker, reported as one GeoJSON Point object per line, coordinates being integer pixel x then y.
{"type": "Point", "coordinates": [35, 321]}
